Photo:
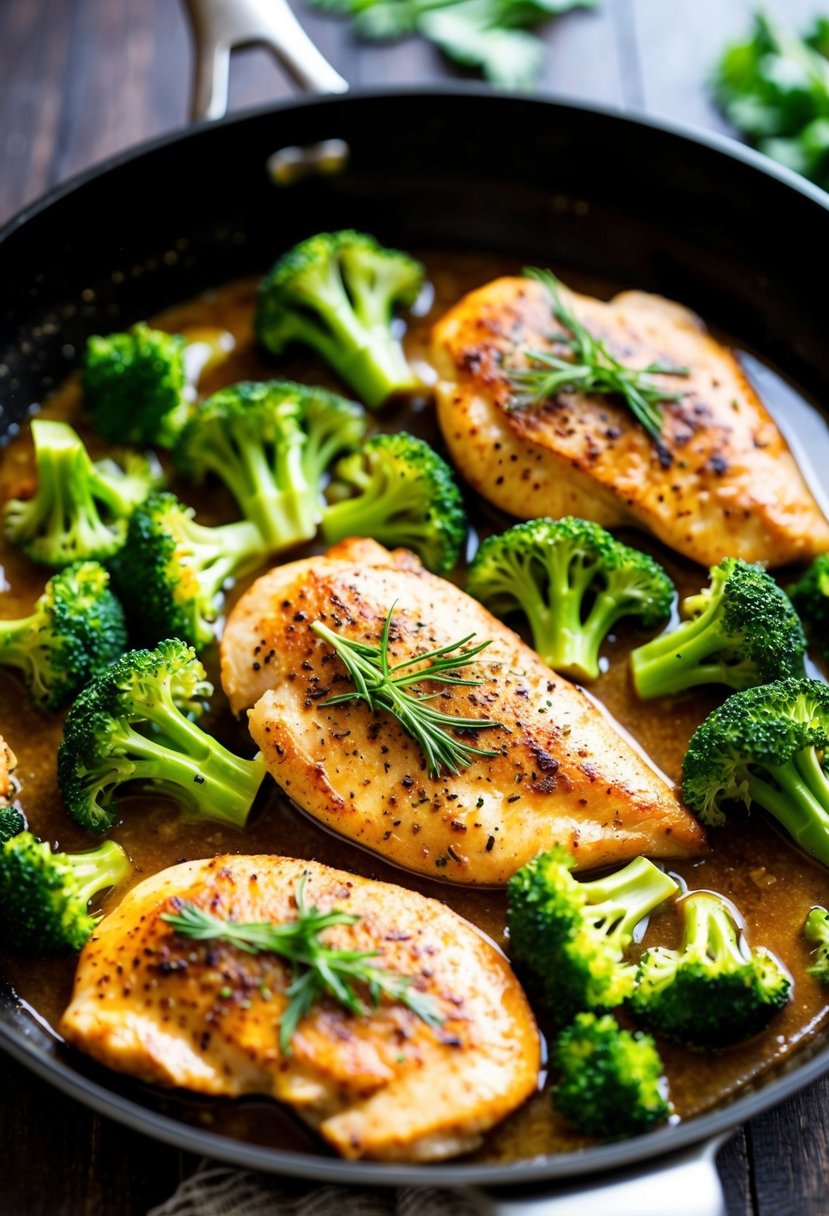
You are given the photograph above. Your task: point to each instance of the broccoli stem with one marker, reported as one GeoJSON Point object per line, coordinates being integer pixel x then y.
{"type": "Point", "coordinates": [224, 553]}
{"type": "Point", "coordinates": [372, 512]}
{"type": "Point", "coordinates": [603, 615]}
{"type": "Point", "coordinates": [118, 490]}
{"type": "Point", "coordinates": [360, 345]}
{"type": "Point", "coordinates": [379, 368]}
{"type": "Point", "coordinates": [185, 757]}
{"type": "Point", "coordinates": [303, 503]}
{"type": "Point", "coordinates": [563, 640]}
{"type": "Point", "coordinates": [676, 660]}
{"type": "Point", "coordinates": [277, 513]}
{"type": "Point", "coordinates": [12, 634]}
{"type": "Point", "coordinates": [709, 929]}
{"type": "Point", "coordinates": [801, 802]}
{"type": "Point", "coordinates": [20, 649]}
{"type": "Point", "coordinates": [98, 869]}
{"type": "Point", "coordinates": [372, 298]}
{"type": "Point", "coordinates": [64, 501]}
{"type": "Point", "coordinates": [617, 903]}
{"type": "Point", "coordinates": [17, 652]}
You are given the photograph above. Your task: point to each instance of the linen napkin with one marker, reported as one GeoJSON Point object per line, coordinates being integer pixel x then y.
{"type": "Point", "coordinates": [217, 1190]}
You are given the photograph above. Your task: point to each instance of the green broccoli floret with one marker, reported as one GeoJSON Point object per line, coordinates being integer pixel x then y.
{"type": "Point", "coordinates": [135, 386]}
{"type": "Point", "coordinates": [271, 443]}
{"type": "Point", "coordinates": [12, 823]}
{"type": "Point", "coordinates": [403, 493]}
{"type": "Point", "coordinates": [810, 596]}
{"type": "Point", "coordinates": [766, 745]}
{"type": "Point", "coordinates": [80, 509]}
{"type": "Point", "coordinates": [572, 935]}
{"type": "Point", "coordinates": [816, 931]}
{"type": "Point", "coordinates": [75, 630]}
{"type": "Point", "coordinates": [44, 896]}
{"type": "Point", "coordinates": [336, 292]}
{"type": "Point", "coordinates": [713, 991]}
{"type": "Point", "coordinates": [573, 581]}
{"type": "Point", "coordinates": [129, 727]}
{"type": "Point", "coordinates": [171, 571]}
{"type": "Point", "coordinates": [611, 1082]}
{"type": "Point", "coordinates": [739, 631]}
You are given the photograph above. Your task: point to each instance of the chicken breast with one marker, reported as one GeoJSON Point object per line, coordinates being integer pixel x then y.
{"type": "Point", "coordinates": [8, 763]}
{"type": "Point", "coordinates": [722, 482]}
{"type": "Point", "coordinates": [562, 773]}
{"type": "Point", "coordinates": [206, 1015]}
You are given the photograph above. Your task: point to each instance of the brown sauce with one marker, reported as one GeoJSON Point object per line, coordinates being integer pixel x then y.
{"type": "Point", "coordinates": [771, 883]}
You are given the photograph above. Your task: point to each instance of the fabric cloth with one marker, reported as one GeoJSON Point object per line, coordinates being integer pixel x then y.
{"type": "Point", "coordinates": [217, 1190]}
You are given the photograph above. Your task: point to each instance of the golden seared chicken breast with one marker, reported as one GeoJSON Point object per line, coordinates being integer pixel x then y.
{"type": "Point", "coordinates": [8, 763]}
{"type": "Point", "coordinates": [561, 773]}
{"type": "Point", "coordinates": [722, 482]}
{"type": "Point", "coordinates": [206, 1015]}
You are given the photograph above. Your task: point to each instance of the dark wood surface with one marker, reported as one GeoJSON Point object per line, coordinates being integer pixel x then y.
{"type": "Point", "coordinates": [80, 79]}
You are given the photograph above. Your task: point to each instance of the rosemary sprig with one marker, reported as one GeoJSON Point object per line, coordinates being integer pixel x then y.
{"type": "Point", "coordinates": [591, 368]}
{"type": "Point", "coordinates": [316, 969]}
{"type": "Point", "coordinates": [385, 686]}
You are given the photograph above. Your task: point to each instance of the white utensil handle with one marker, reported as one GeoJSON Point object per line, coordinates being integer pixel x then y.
{"type": "Point", "coordinates": [220, 26]}
{"type": "Point", "coordinates": [683, 1185]}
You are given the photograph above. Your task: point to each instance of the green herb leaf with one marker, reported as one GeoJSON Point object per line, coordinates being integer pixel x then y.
{"type": "Point", "coordinates": [388, 19]}
{"type": "Point", "coordinates": [470, 34]}
{"type": "Point", "coordinates": [385, 686]}
{"type": "Point", "coordinates": [590, 368]}
{"type": "Point", "coordinates": [774, 88]}
{"type": "Point", "coordinates": [488, 35]}
{"type": "Point", "coordinates": [317, 969]}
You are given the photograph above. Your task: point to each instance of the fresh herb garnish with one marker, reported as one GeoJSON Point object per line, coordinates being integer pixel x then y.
{"type": "Point", "coordinates": [774, 88]}
{"type": "Point", "coordinates": [489, 35]}
{"type": "Point", "coordinates": [316, 969]}
{"type": "Point", "coordinates": [385, 686]}
{"type": "Point", "coordinates": [590, 368]}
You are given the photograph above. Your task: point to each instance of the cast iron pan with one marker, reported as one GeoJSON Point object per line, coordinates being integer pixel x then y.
{"type": "Point", "coordinates": [695, 218]}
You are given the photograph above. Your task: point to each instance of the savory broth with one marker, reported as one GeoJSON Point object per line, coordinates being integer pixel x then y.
{"type": "Point", "coordinates": [769, 880]}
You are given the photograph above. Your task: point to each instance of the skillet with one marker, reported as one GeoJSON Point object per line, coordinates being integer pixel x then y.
{"type": "Point", "coordinates": [693, 217]}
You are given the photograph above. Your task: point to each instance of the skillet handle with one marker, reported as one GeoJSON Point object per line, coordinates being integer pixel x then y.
{"type": "Point", "coordinates": [683, 1185]}
{"type": "Point", "coordinates": [219, 26]}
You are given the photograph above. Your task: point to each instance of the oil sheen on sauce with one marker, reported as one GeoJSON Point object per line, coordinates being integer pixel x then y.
{"type": "Point", "coordinates": [771, 883]}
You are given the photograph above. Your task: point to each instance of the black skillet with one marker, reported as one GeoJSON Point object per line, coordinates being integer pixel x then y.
{"type": "Point", "coordinates": [695, 218]}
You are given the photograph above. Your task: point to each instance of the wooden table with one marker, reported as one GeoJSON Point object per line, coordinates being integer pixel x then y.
{"type": "Point", "coordinates": [80, 79]}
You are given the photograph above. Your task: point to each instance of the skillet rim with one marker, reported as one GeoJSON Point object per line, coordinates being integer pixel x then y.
{"type": "Point", "coordinates": [723, 144]}
{"type": "Point", "coordinates": [601, 1158]}
{"type": "Point", "coordinates": [650, 1147]}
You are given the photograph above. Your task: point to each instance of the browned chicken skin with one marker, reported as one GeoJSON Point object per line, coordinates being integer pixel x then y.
{"type": "Point", "coordinates": [8, 763]}
{"type": "Point", "coordinates": [206, 1016]}
{"type": "Point", "coordinates": [725, 483]}
{"type": "Point", "coordinates": [562, 774]}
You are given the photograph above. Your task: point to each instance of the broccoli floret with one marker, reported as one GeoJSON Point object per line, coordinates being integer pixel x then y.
{"type": "Point", "coordinates": [403, 493]}
{"type": "Point", "coordinates": [129, 728]}
{"type": "Point", "coordinates": [336, 293]}
{"type": "Point", "coordinates": [80, 509]}
{"type": "Point", "coordinates": [816, 931]}
{"type": "Point", "coordinates": [611, 1080]}
{"type": "Point", "coordinates": [766, 745]}
{"type": "Point", "coordinates": [572, 935]}
{"type": "Point", "coordinates": [573, 581]}
{"type": "Point", "coordinates": [271, 443]}
{"type": "Point", "coordinates": [44, 896]}
{"type": "Point", "coordinates": [713, 991]}
{"type": "Point", "coordinates": [135, 386]}
{"type": "Point", "coordinates": [12, 823]}
{"type": "Point", "coordinates": [171, 570]}
{"type": "Point", "coordinates": [739, 631]}
{"type": "Point", "coordinates": [74, 632]}
{"type": "Point", "coordinates": [810, 597]}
